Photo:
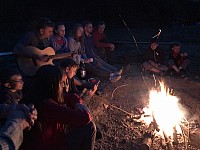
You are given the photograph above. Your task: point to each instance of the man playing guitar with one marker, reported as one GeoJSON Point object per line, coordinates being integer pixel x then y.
{"type": "Point", "coordinates": [38, 38]}
{"type": "Point", "coordinates": [34, 51]}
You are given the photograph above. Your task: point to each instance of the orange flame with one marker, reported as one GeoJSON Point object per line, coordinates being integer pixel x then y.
{"type": "Point", "coordinates": [165, 109]}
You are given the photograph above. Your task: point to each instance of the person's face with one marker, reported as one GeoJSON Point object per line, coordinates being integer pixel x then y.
{"type": "Point", "coordinates": [61, 30]}
{"type": "Point", "coordinates": [46, 33]}
{"type": "Point", "coordinates": [154, 46]}
{"type": "Point", "coordinates": [79, 31]}
{"type": "Point", "coordinates": [101, 28]}
{"type": "Point", "coordinates": [71, 72]}
{"type": "Point", "coordinates": [63, 82]}
{"type": "Point", "coordinates": [176, 49]}
{"type": "Point", "coordinates": [88, 28]}
{"type": "Point", "coordinates": [15, 83]}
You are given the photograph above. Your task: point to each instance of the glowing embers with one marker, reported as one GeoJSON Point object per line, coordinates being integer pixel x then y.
{"type": "Point", "coordinates": [166, 118]}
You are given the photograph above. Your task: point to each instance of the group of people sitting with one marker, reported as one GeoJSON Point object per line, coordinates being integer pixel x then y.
{"type": "Point", "coordinates": [80, 41]}
{"type": "Point", "coordinates": [63, 118]}
{"type": "Point", "coordinates": [64, 121]}
{"type": "Point", "coordinates": [155, 60]}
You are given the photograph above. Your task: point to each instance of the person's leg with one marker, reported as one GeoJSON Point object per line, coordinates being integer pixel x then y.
{"type": "Point", "coordinates": [101, 52]}
{"type": "Point", "coordinates": [97, 71]}
{"type": "Point", "coordinates": [172, 65]}
{"type": "Point", "coordinates": [106, 65]}
{"type": "Point", "coordinates": [185, 64]}
{"type": "Point", "coordinates": [100, 71]}
{"type": "Point", "coordinates": [163, 68]}
{"type": "Point", "coordinates": [82, 137]}
{"type": "Point", "coordinates": [177, 70]}
{"type": "Point", "coordinates": [148, 66]}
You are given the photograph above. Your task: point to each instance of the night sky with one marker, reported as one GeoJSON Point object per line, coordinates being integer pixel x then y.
{"type": "Point", "coordinates": [16, 14]}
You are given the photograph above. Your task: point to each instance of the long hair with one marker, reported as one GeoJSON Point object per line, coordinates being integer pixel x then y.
{"type": "Point", "coordinates": [47, 84]}
{"type": "Point", "coordinates": [74, 35]}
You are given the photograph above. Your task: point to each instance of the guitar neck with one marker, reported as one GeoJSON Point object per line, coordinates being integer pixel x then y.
{"type": "Point", "coordinates": [60, 56]}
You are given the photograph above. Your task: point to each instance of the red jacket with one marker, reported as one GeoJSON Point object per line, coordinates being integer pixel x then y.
{"type": "Point", "coordinates": [54, 118]}
{"type": "Point", "coordinates": [100, 39]}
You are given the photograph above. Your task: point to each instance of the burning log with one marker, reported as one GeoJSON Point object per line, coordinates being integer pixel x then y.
{"type": "Point", "coordinates": [146, 143]}
{"type": "Point", "coordinates": [168, 142]}
{"type": "Point", "coordinates": [155, 124]}
{"type": "Point", "coordinates": [147, 137]}
{"type": "Point", "coordinates": [195, 137]}
{"type": "Point", "coordinates": [175, 137]}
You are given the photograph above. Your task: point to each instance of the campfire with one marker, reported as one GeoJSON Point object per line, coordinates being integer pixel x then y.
{"type": "Point", "coordinates": [162, 124]}
{"type": "Point", "coordinates": [164, 117]}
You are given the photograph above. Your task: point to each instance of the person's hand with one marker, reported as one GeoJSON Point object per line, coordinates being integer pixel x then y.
{"type": "Point", "coordinates": [92, 91]}
{"type": "Point", "coordinates": [32, 116]}
{"type": "Point", "coordinates": [79, 106]}
{"type": "Point", "coordinates": [26, 114]}
{"type": "Point", "coordinates": [112, 47]}
{"type": "Point", "coordinates": [185, 54]}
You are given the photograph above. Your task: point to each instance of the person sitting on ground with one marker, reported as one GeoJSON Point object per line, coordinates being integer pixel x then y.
{"type": "Point", "coordinates": [105, 49]}
{"type": "Point", "coordinates": [58, 40]}
{"type": "Point", "coordinates": [28, 46]}
{"type": "Point", "coordinates": [75, 41]}
{"type": "Point", "coordinates": [99, 67]}
{"type": "Point", "coordinates": [65, 122]}
{"type": "Point", "coordinates": [11, 86]}
{"type": "Point", "coordinates": [69, 68]}
{"type": "Point", "coordinates": [76, 44]}
{"type": "Point", "coordinates": [178, 61]}
{"type": "Point", "coordinates": [154, 58]}
{"type": "Point", "coordinates": [18, 117]}
{"type": "Point", "coordinates": [38, 38]}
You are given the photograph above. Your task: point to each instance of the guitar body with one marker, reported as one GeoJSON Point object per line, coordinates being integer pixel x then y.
{"type": "Point", "coordinates": [30, 66]}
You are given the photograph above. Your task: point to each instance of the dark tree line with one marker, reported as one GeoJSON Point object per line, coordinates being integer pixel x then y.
{"type": "Point", "coordinates": [135, 12]}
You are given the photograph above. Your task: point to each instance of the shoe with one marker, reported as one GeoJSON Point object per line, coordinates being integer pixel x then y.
{"type": "Point", "coordinates": [114, 78]}
{"type": "Point", "coordinates": [181, 74]}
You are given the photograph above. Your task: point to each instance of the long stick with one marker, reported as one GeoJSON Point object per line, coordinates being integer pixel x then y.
{"type": "Point", "coordinates": [122, 110]}
{"type": "Point", "coordinates": [129, 32]}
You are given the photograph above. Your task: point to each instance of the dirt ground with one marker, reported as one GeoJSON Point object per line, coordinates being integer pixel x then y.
{"type": "Point", "coordinates": [119, 131]}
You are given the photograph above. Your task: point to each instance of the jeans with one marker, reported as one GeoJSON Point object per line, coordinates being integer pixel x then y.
{"type": "Point", "coordinates": [148, 66]}
{"type": "Point", "coordinates": [184, 64]}
{"type": "Point", "coordinates": [100, 68]}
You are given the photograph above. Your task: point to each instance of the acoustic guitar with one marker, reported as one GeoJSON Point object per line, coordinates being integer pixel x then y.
{"type": "Point", "coordinates": [29, 66]}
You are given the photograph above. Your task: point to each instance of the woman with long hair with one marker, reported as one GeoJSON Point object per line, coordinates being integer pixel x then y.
{"type": "Point", "coordinates": [76, 43]}
{"type": "Point", "coordinates": [65, 122]}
